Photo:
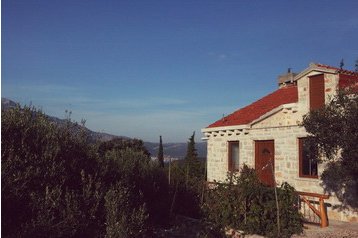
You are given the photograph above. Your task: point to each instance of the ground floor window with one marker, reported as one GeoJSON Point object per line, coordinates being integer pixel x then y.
{"type": "Point", "coordinates": [234, 151]}
{"type": "Point", "coordinates": [307, 159]}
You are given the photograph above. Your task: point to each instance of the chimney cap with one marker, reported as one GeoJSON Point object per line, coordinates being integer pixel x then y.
{"type": "Point", "coordinates": [286, 79]}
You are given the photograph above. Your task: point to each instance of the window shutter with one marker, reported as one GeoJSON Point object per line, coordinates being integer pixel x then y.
{"type": "Point", "coordinates": [316, 88]}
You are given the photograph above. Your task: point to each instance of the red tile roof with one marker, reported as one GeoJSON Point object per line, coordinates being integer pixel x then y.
{"type": "Point", "coordinates": [348, 81]}
{"type": "Point", "coordinates": [347, 78]}
{"type": "Point", "coordinates": [257, 109]}
{"type": "Point", "coordinates": [342, 71]}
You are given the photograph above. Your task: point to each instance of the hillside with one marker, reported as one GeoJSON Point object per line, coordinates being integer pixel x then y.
{"type": "Point", "coordinates": [174, 150]}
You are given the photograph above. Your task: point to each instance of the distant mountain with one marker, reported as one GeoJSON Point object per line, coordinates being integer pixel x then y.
{"type": "Point", "coordinates": [6, 103]}
{"type": "Point", "coordinates": [173, 150]}
{"type": "Point", "coordinates": [94, 136]}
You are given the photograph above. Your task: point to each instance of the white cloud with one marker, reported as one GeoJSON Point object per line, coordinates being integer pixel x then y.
{"type": "Point", "coordinates": [219, 56]}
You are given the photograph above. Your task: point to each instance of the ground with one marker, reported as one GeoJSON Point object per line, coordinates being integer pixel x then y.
{"type": "Point", "coordinates": [190, 228]}
{"type": "Point", "coordinates": [336, 229]}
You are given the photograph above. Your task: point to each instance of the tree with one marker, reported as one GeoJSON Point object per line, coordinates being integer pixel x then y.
{"type": "Point", "coordinates": [160, 153]}
{"type": "Point", "coordinates": [191, 158]}
{"type": "Point", "coordinates": [334, 130]}
{"type": "Point", "coordinates": [191, 154]}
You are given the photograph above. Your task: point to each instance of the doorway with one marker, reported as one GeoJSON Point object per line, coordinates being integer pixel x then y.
{"type": "Point", "coordinates": [265, 161]}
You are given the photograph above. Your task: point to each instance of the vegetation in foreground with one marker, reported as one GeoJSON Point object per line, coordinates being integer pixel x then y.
{"type": "Point", "coordinates": [57, 184]}
{"type": "Point", "coordinates": [334, 131]}
{"type": "Point", "coordinates": [244, 204]}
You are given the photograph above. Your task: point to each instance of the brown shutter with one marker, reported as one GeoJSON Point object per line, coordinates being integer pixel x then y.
{"type": "Point", "coordinates": [316, 84]}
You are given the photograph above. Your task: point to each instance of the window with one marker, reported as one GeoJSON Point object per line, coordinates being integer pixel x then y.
{"type": "Point", "coordinates": [307, 159]}
{"type": "Point", "coordinates": [234, 155]}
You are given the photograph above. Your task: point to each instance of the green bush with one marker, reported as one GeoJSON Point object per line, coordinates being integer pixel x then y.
{"type": "Point", "coordinates": [143, 176]}
{"type": "Point", "coordinates": [42, 177]}
{"type": "Point", "coordinates": [123, 217]}
{"type": "Point", "coordinates": [56, 184]}
{"type": "Point", "coordinates": [187, 189]}
{"type": "Point", "coordinates": [243, 203]}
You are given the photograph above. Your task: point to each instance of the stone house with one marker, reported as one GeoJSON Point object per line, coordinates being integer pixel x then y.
{"type": "Point", "coordinates": [269, 131]}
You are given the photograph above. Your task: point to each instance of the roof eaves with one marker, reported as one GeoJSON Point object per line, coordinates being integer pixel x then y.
{"type": "Point", "coordinates": [220, 128]}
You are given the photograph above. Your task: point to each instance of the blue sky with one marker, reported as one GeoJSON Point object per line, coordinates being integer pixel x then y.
{"type": "Point", "coordinates": [149, 68]}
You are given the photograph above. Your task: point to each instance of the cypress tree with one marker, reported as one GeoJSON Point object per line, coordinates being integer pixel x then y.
{"type": "Point", "coordinates": [191, 154]}
{"type": "Point", "coordinates": [191, 159]}
{"type": "Point", "coordinates": [161, 153]}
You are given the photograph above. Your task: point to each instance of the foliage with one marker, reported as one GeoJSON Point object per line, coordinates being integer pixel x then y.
{"type": "Point", "coordinates": [186, 191]}
{"type": "Point", "coordinates": [187, 183]}
{"type": "Point", "coordinates": [194, 167]}
{"type": "Point", "coordinates": [334, 130]}
{"type": "Point", "coordinates": [43, 169]}
{"type": "Point", "coordinates": [243, 203]}
{"type": "Point", "coordinates": [56, 184]}
{"type": "Point", "coordinates": [122, 144]}
{"type": "Point", "coordinates": [123, 217]}
{"type": "Point", "coordinates": [146, 180]}
{"type": "Point", "coordinates": [191, 159]}
{"type": "Point", "coordinates": [161, 153]}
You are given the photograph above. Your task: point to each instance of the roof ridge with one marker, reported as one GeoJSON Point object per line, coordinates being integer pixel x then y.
{"type": "Point", "coordinates": [339, 70]}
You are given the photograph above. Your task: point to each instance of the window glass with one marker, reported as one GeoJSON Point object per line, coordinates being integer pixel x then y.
{"type": "Point", "coordinates": [234, 155]}
{"type": "Point", "coordinates": [308, 162]}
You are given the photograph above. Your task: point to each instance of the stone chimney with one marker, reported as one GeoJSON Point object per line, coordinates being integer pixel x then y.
{"type": "Point", "coordinates": [286, 79]}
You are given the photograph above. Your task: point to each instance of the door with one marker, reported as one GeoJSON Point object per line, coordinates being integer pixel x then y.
{"type": "Point", "coordinates": [265, 161]}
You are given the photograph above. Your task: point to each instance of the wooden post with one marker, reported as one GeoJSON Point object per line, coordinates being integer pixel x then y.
{"type": "Point", "coordinates": [276, 198]}
{"type": "Point", "coordinates": [324, 220]}
{"type": "Point", "coordinates": [170, 161]}
{"type": "Point", "coordinates": [321, 213]}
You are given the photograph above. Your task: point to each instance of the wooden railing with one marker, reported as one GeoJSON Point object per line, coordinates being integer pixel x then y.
{"type": "Point", "coordinates": [320, 212]}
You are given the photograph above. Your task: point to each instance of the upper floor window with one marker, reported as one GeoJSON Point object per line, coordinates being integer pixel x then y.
{"type": "Point", "coordinates": [234, 151]}
{"type": "Point", "coordinates": [316, 90]}
{"type": "Point", "coordinates": [307, 159]}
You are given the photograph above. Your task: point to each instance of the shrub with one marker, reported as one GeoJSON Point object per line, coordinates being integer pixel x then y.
{"type": "Point", "coordinates": [124, 218]}
{"type": "Point", "coordinates": [187, 191]}
{"type": "Point", "coordinates": [42, 176]}
{"type": "Point", "coordinates": [243, 203]}
{"type": "Point", "coordinates": [56, 184]}
{"type": "Point", "coordinates": [135, 169]}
